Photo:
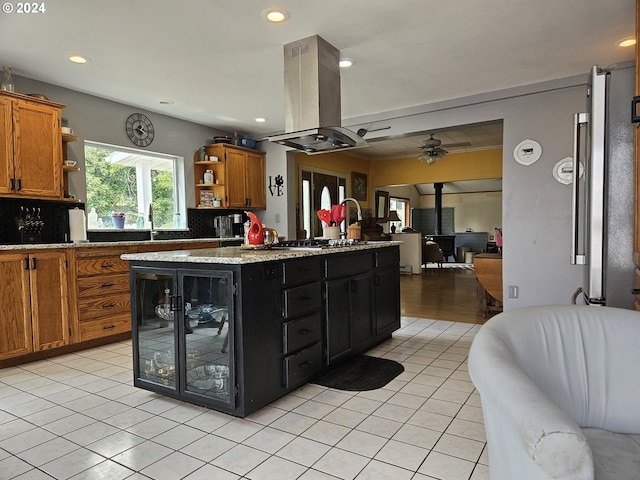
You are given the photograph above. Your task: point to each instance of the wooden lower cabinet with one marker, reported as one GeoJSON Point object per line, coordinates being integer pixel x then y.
{"type": "Point", "coordinates": [102, 282]}
{"type": "Point", "coordinates": [67, 297]}
{"type": "Point", "coordinates": [37, 317]}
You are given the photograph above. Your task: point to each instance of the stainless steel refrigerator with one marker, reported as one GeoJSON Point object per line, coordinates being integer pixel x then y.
{"type": "Point", "coordinates": [603, 190]}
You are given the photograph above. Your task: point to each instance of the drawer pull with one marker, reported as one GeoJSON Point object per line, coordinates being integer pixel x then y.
{"type": "Point", "coordinates": [306, 364]}
{"type": "Point", "coordinates": [107, 265]}
{"type": "Point", "coordinates": [109, 305]}
{"type": "Point", "coordinates": [109, 327]}
{"type": "Point", "coordinates": [107, 285]}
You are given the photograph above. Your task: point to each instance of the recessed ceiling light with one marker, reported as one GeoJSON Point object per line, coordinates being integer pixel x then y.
{"type": "Point", "coordinates": [261, 119]}
{"type": "Point", "coordinates": [276, 15]}
{"type": "Point", "coordinates": [346, 62]}
{"type": "Point", "coordinates": [627, 42]}
{"type": "Point", "coordinates": [79, 58]}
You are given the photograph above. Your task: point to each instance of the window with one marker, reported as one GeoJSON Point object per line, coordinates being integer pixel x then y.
{"type": "Point", "coordinates": [401, 206]}
{"type": "Point", "coordinates": [121, 179]}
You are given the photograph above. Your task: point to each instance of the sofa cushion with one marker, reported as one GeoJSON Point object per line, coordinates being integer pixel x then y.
{"type": "Point", "coordinates": [615, 456]}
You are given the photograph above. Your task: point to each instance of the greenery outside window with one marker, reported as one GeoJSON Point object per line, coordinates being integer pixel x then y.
{"type": "Point", "coordinates": [121, 179]}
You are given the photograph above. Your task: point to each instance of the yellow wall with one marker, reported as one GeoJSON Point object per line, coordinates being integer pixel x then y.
{"type": "Point", "coordinates": [406, 171]}
{"type": "Point", "coordinates": [454, 167]}
{"type": "Point", "coordinates": [334, 162]}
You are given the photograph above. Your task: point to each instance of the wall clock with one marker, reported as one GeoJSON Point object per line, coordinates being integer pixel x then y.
{"type": "Point", "coordinates": [139, 129]}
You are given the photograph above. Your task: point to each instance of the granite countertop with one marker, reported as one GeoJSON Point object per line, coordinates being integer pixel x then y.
{"type": "Point", "coordinates": [239, 255]}
{"type": "Point", "coordinates": [47, 246]}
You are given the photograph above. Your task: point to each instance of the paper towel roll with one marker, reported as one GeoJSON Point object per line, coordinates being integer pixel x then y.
{"type": "Point", "coordinates": [77, 225]}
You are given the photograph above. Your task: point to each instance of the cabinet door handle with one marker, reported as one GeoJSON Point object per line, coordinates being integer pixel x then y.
{"type": "Point", "coordinates": [175, 301]}
{"type": "Point", "coordinates": [19, 184]}
{"type": "Point", "coordinates": [109, 305]}
{"type": "Point", "coordinates": [306, 364]}
{"type": "Point", "coordinates": [107, 265]}
{"type": "Point", "coordinates": [377, 280]}
{"type": "Point", "coordinates": [26, 263]}
{"type": "Point", "coordinates": [33, 263]}
{"type": "Point", "coordinates": [109, 327]}
{"type": "Point", "coordinates": [13, 183]}
{"type": "Point", "coordinates": [106, 285]}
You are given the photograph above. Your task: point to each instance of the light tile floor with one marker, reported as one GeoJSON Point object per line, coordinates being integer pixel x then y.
{"type": "Point", "coordinates": [78, 416]}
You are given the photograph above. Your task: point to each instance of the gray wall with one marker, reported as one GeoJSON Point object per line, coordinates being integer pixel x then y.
{"type": "Point", "coordinates": [100, 120]}
{"type": "Point", "coordinates": [536, 208]}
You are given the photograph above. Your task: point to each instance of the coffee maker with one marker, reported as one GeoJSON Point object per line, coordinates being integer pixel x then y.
{"type": "Point", "coordinates": [236, 225]}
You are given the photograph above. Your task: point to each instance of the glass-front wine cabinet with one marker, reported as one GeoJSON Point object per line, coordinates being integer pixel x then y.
{"type": "Point", "coordinates": [182, 333]}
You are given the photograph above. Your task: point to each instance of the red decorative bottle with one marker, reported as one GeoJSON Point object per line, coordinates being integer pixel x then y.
{"type": "Point", "coordinates": [255, 236]}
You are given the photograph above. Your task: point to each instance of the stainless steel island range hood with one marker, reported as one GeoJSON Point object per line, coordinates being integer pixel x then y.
{"type": "Point", "coordinates": [312, 99]}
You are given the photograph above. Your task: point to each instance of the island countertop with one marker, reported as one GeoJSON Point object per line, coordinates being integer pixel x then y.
{"type": "Point", "coordinates": [239, 255]}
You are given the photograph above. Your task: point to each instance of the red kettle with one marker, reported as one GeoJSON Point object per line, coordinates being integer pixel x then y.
{"type": "Point", "coordinates": [255, 236]}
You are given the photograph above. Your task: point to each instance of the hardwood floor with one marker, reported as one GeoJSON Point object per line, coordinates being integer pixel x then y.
{"type": "Point", "coordinates": [442, 294]}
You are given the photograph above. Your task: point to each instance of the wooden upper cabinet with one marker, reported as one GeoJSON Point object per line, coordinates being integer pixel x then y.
{"type": "Point", "coordinates": [255, 180]}
{"type": "Point", "coordinates": [7, 172]}
{"type": "Point", "coordinates": [31, 147]}
{"type": "Point", "coordinates": [236, 194]}
{"type": "Point", "coordinates": [243, 185]}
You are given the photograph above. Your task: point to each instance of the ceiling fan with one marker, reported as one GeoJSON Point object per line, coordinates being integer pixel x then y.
{"type": "Point", "coordinates": [433, 149]}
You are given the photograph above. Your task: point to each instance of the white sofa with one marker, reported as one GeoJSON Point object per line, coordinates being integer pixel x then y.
{"type": "Point", "coordinates": [560, 390]}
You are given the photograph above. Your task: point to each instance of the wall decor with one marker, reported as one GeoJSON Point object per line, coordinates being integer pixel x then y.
{"type": "Point", "coordinates": [139, 129]}
{"type": "Point", "coordinates": [276, 186]}
{"type": "Point", "coordinates": [527, 152]}
{"type": "Point", "coordinates": [359, 185]}
{"type": "Point", "coordinates": [563, 170]}
{"type": "Point", "coordinates": [382, 205]}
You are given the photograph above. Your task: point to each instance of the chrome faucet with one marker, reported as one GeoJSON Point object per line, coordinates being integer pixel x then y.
{"type": "Point", "coordinates": [153, 231]}
{"type": "Point", "coordinates": [357, 206]}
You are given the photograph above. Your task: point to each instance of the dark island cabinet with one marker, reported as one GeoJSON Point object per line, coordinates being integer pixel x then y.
{"type": "Point", "coordinates": [236, 337]}
{"type": "Point", "coordinates": [183, 334]}
{"type": "Point", "coordinates": [361, 301]}
{"type": "Point", "coordinates": [386, 278]}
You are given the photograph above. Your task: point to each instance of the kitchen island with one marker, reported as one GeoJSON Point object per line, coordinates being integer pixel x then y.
{"type": "Point", "coordinates": [234, 329]}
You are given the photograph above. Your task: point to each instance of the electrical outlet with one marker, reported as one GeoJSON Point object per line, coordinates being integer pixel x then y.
{"type": "Point", "coordinates": [513, 291]}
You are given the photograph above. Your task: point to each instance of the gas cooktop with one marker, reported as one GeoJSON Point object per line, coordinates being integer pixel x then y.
{"type": "Point", "coordinates": [316, 244]}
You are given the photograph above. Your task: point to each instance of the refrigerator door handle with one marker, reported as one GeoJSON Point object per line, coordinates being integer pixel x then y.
{"type": "Point", "coordinates": [580, 120]}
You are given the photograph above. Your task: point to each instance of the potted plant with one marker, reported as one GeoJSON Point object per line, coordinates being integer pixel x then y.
{"type": "Point", "coordinates": [118, 219]}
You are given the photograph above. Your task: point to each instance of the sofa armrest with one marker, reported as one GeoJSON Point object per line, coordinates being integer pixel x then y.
{"type": "Point", "coordinates": [527, 434]}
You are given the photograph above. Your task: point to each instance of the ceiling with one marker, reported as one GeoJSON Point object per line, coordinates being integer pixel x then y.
{"type": "Point", "coordinates": [219, 63]}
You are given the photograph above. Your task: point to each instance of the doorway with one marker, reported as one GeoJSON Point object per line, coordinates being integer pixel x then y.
{"type": "Point", "coordinates": [319, 189]}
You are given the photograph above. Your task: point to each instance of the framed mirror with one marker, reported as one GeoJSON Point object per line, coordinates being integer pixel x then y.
{"type": "Point", "coordinates": [382, 204]}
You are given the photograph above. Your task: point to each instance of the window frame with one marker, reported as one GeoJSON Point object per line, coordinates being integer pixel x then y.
{"type": "Point", "coordinates": [179, 185]}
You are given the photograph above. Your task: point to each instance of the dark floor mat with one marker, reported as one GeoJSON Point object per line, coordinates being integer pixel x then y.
{"type": "Point", "coordinates": [361, 373]}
